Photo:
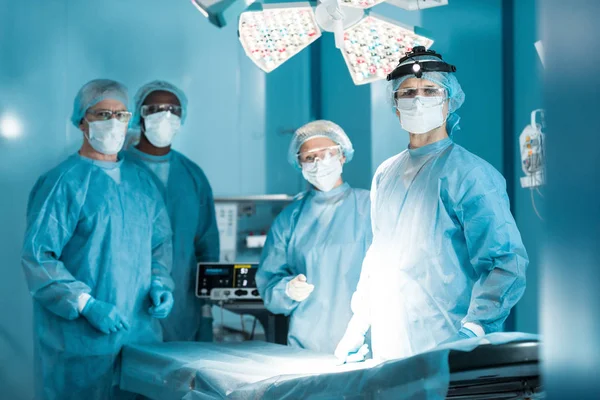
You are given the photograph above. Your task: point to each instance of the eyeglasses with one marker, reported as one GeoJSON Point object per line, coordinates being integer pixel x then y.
{"type": "Point", "coordinates": [156, 108]}
{"type": "Point", "coordinates": [105, 115]}
{"type": "Point", "coordinates": [322, 153]}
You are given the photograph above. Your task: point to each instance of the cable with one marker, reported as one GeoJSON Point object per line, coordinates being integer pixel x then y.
{"type": "Point", "coordinates": [253, 329]}
{"type": "Point", "coordinates": [537, 189]}
{"type": "Point", "coordinates": [534, 207]}
{"type": "Point", "coordinates": [243, 325]}
{"type": "Point", "coordinates": [222, 322]}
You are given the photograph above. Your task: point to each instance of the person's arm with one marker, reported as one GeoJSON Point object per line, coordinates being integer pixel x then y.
{"type": "Point", "coordinates": [352, 343]}
{"type": "Point", "coordinates": [495, 249]}
{"type": "Point", "coordinates": [52, 215]}
{"type": "Point", "coordinates": [162, 248]}
{"type": "Point", "coordinates": [361, 303]}
{"type": "Point", "coordinates": [273, 272]}
{"type": "Point", "coordinates": [206, 242]}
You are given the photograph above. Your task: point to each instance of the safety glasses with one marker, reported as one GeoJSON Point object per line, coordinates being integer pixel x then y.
{"type": "Point", "coordinates": [321, 154]}
{"type": "Point", "coordinates": [426, 96]}
{"type": "Point", "coordinates": [105, 115]}
{"type": "Point", "coordinates": [412, 92]}
{"type": "Point", "coordinates": [156, 108]}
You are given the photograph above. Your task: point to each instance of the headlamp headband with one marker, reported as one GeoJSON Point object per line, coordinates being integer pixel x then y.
{"type": "Point", "coordinates": [417, 68]}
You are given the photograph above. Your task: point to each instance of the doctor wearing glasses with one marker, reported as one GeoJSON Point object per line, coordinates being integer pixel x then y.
{"type": "Point", "coordinates": [97, 255]}
{"type": "Point", "coordinates": [312, 258]}
{"type": "Point", "coordinates": [447, 261]}
{"type": "Point", "coordinates": [160, 112]}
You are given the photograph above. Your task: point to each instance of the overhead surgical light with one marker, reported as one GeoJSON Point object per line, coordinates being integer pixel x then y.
{"type": "Point", "coordinates": [219, 12]}
{"type": "Point", "coordinates": [413, 5]}
{"type": "Point", "coordinates": [272, 36]}
{"type": "Point", "coordinates": [371, 46]}
{"type": "Point", "coordinates": [364, 4]}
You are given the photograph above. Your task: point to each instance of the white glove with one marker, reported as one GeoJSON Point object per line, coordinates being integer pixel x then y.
{"type": "Point", "coordinates": [351, 348]}
{"type": "Point", "coordinates": [297, 289]}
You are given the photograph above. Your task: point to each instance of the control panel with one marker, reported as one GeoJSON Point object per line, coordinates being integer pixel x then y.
{"type": "Point", "coordinates": [224, 282]}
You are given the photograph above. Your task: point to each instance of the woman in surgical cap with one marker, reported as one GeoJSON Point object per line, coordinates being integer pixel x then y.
{"type": "Point", "coordinates": [447, 261]}
{"type": "Point", "coordinates": [312, 258]}
{"type": "Point", "coordinates": [97, 255]}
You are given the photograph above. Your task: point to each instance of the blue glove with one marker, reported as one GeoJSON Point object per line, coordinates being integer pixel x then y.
{"type": "Point", "coordinates": [162, 300]}
{"type": "Point", "coordinates": [462, 334]}
{"type": "Point", "coordinates": [104, 317]}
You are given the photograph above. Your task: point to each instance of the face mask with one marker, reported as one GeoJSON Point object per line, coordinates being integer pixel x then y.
{"type": "Point", "coordinates": [323, 174]}
{"type": "Point", "coordinates": [160, 128]}
{"type": "Point", "coordinates": [423, 114]}
{"type": "Point", "coordinates": [107, 137]}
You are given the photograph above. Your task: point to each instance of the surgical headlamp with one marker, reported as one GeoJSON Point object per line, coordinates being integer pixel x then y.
{"type": "Point", "coordinates": [417, 68]}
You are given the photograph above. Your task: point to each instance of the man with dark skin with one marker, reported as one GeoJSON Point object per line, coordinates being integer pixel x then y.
{"type": "Point", "coordinates": [160, 111]}
{"type": "Point", "coordinates": [157, 97]}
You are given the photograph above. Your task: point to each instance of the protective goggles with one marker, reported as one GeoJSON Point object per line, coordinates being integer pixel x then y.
{"type": "Point", "coordinates": [427, 96]}
{"type": "Point", "coordinates": [105, 115]}
{"type": "Point", "coordinates": [156, 108]}
{"type": "Point", "coordinates": [417, 68]}
{"type": "Point", "coordinates": [323, 153]}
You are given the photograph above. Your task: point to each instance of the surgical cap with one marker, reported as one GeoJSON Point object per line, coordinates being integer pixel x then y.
{"type": "Point", "coordinates": [456, 96]}
{"type": "Point", "coordinates": [156, 86]}
{"type": "Point", "coordinates": [322, 129]}
{"type": "Point", "coordinates": [93, 93]}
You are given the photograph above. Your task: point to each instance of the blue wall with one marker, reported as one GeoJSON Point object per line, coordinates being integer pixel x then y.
{"type": "Point", "coordinates": [527, 97]}
{"type": "Point", "coordinates": [348, 106]}
{"type": "Point", "coordinates": [289, 95]}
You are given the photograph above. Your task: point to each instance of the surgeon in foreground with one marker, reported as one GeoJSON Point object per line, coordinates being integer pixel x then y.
{"type": "Point", "coordinates": [160, 111]}
{"type": "Point", "coordinates": [97, 256]}
{"type": "Point", "coordinates": [447, 261]}
{"type": "Point", "coordinates": [311, 261]}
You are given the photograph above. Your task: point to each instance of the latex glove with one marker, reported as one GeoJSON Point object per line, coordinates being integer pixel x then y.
{"type": "Point", "coordinates": [104, 317]}
{"type": "Point", "coordinates": [462, 334]}
{"type": "Point", "coordinates": [351, 348]}
{"type": "Point", "coordinates": [162, 300]}
{"type": "Point", "coordinates": [297, 289]}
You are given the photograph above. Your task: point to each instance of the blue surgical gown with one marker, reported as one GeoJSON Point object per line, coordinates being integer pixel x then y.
{"type": "Point", "coordinates": [86, 233]}
{"type": "Point", "coordinates": [191, 207]}
{"type": "Point", "coordinates": [325, 236]}
{"type": "Point", "coordinates": [446, 251]}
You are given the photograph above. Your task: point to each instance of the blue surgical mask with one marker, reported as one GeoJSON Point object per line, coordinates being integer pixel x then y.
{"type": "Point", "coordinates": [107, 137]}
